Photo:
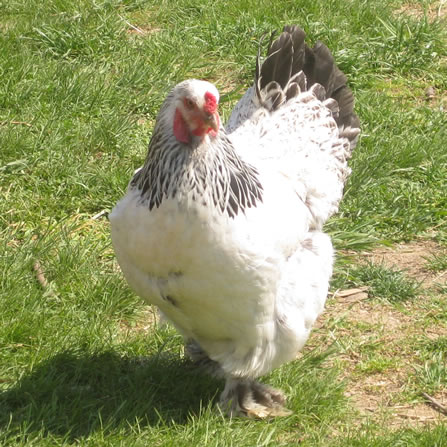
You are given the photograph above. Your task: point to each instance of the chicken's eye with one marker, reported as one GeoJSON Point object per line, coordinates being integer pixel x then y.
{"type": "Point", "coordinates": [189, 103]}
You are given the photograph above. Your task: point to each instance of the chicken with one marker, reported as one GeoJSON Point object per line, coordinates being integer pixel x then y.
{"type": "Point", "coordinates": [221, 228]}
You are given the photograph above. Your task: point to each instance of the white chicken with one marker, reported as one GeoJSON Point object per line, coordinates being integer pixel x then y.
{"type": "Point", "coordinates": [221, 229]}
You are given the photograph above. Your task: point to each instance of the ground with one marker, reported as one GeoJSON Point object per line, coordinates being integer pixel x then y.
{"type": "Point", "coordinates": [376, 356]}
{"type": "Point", "coordinates": [381, 386]}
{"type": "Point", "coordinates": [83, 361]}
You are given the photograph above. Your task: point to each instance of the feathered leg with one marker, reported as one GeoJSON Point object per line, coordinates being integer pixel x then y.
{"type": "Point", "coordinates": [200, 358]}
{"type": "Point", "coordinates": [241, 397]}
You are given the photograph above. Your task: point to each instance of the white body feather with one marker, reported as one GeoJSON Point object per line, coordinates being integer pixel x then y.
{"type": "Point", "coordinates": [248, 289]}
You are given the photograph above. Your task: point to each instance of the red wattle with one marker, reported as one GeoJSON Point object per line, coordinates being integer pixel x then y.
{"type": "Point", "coordinates": [180, 128]}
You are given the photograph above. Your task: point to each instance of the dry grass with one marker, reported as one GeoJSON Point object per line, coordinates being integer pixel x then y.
{"type": "Point", "coordinates": [377, 340]}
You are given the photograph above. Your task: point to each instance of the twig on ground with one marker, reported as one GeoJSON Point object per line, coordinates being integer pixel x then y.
{"type": "Point", "coordinates": [22, 123]}
{"type": "Point", "coordinates": [98, 215]}
{"type": "Point", "coordinates": [435, 404]}
{"type": "Point", "coordinates": [40, 275]}
{"type": "Point", "coordinates": [135, 28]}
{"type": "Point", "coordinates": [48, 288]}
{"type": "Point", "coordinates": [415, 417]}
{"type": "Point", "coordinates": [352, 295]}
{"type": "Point", "coordinates": [349, 292]}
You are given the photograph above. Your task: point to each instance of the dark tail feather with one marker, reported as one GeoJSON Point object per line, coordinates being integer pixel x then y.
{"type": "Point", "coordinates": [334, 81]}
{"type": "Point", "coordinates": [280, 77]}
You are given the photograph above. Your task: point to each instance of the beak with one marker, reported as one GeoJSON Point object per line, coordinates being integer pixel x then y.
{"type": "Point", "coordinates": [212, 120]}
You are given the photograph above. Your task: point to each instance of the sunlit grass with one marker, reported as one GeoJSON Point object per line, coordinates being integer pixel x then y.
{"type": "Point", "coordinates": [81, 84]}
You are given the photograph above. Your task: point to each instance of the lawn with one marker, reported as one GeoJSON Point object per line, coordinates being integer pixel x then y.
{"type": "Point", "coordinates": [82, 360]}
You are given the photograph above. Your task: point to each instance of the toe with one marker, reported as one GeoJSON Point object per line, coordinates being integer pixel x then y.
{"type": "Point", "coordinates": [268, 395]}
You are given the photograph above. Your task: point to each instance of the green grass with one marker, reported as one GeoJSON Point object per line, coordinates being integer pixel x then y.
{"type": "Point", "coordinates": [384, 282]}
{"type": "Point", "coordinates": [437, 262]}
{"type": "Point", "coordinates": [431, 373]}
{"type": "Point", "coordinates": [81, 84]}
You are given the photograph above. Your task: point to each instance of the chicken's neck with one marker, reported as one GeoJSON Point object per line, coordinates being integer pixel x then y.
{"type": "Point", "coordinates": [208, 172]}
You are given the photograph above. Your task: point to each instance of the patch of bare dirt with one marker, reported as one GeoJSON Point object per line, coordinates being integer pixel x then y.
{"type": "Point", "coordinates": [142, 23]}
{"type": "Point", "coordinates": [374, 397]}
{"type": "Point", "coordinates": [436, 10]}
{"type": "Point", "coordinates": [411, 258]}
{"type": "Point", "coordinates": [365, 322]}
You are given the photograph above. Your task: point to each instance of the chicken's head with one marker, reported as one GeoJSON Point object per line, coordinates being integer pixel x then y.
{"type": "Point", "coordinates": [195, 110]}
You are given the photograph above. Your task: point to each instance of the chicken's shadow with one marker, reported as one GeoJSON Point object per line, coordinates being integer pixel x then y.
{"type": "Point", "coordinates": [74, 395]}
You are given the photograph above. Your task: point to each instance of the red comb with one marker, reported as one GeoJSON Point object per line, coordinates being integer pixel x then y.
{"type": "Point", "coordinates": [210, 103]}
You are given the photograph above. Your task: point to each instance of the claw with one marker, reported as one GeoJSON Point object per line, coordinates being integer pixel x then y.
{"type": "Point", "coordinates": [252, 399]}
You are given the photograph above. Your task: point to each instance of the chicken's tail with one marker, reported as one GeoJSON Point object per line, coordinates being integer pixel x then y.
{"type": "Point", "coordinates": [292, 67]}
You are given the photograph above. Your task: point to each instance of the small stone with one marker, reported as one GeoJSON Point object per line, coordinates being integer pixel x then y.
{"type": "Point", "coordinates": [430, 92]}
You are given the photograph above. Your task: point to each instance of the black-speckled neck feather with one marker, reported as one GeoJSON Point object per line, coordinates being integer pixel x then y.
{"type": "Point", "coordinates": [209, 173]}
